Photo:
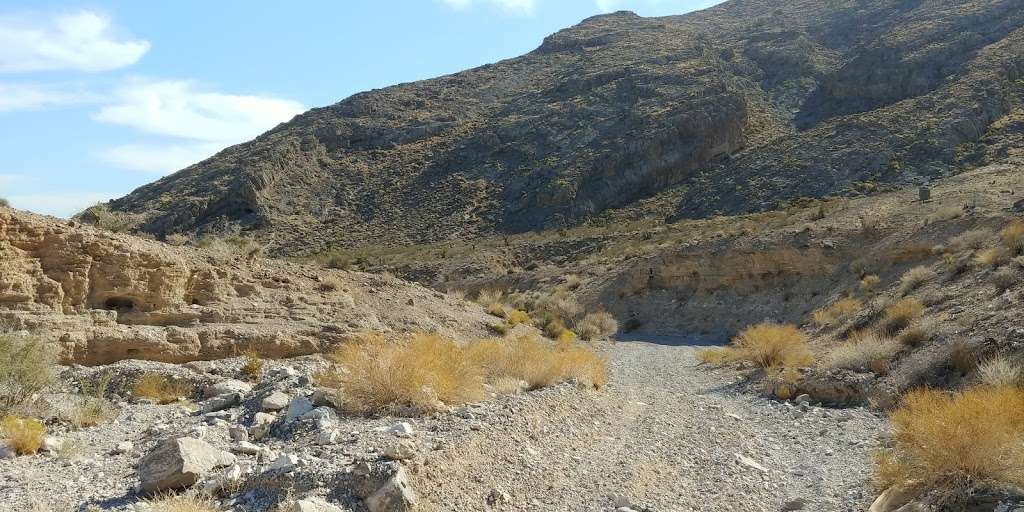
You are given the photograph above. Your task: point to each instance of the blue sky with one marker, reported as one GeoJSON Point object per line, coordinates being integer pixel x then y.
{"type": "Point", "coordinates": [98, 98]}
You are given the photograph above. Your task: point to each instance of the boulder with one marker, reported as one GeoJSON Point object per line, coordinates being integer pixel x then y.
{"type": "Point", "coordinates": [396, 495]}
{"type": "Point", "coordinates": [177, 463]}
{"type": "Point", "coordinates": [297, 408]}
{"type": "Point", "coordinates": [261, 424]}
{"type": "Point", "coordinates": [274, 401]}
{"type": "Point", "coordinates": [227, 386]}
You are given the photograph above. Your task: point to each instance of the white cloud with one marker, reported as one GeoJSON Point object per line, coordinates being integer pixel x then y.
{"type": "Point", "coordinates": [33, 96]}
{"type": "Point", "coordinates": [159, 159]}
{"type": "Point", "coordinates": [513, 6]}
{"type": "Point", "coordinates": [81, 41]}
{"type": "Point", "coordinates": [177, 108]}
{"type": "Point", "coordinates": [59, 204]}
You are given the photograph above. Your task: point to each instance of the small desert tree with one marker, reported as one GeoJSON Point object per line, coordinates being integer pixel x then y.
{"type": "Point", "coordinates": [26, 368]}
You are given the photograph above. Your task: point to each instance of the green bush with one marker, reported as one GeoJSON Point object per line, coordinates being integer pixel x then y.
{"type": "Point", "coordinates": [26, 368]}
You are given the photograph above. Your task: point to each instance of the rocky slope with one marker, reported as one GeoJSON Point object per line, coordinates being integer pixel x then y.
{"type": "Point", "coordinates": [730, 109]}
{"type": "Point", "coordinates": [104, 297]}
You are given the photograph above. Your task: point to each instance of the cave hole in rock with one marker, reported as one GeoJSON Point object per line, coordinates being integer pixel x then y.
{"type": "Point", "coordinates": [119, 304]}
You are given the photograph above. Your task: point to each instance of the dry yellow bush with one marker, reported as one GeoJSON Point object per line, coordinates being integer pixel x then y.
{"type": "Point", "coordinates": [838, 312]}
{"type": "Point", "coordinates": [870, 283]}
{"type": "Point", "coordinates": [899, 315]}
{"type": "Point", "coordinates": [182, 503]}
{"type": "Point", "coordinates": [417, 376]}
{"type": "Point", "coordinates": [253, 366]}
{"type": "Point", "coordinates": [422, 374]}
{"type": "Point", "coordinates": [1013, 237]}
{"type": "Point", "coordinates": [766, 345]}
{"type": "Point", "coordinates": [23, 435]}
{"type": "Point", "coordinates": [865, 351]}
{"type": "Point", "coordinates": [539, 363]}
{"type": "Point", "coordinates": [991, 257]}
{"type": "Point", "coordinates": [915, 277]}
{"type": "Point", "coordinates": [971, 240]}
{"type": "Point", "coordinates": [496, 309]}
{"type": "Point", "coordinates": [597, 326]}
{"type": "Point", "coordinates": [160, 389]}
{"type": "Point", "coordinates": [919, 331]}
{"type": "Point", "coordinates": [488, 297]}
{"type": "Point", "coordinates": [950, 443]}
{"type": "Point", "coordinates": [518, 316]}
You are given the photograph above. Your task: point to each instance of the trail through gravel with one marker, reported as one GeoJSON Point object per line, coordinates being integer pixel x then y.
{"type": "Point", "coordinates": [664, 435]}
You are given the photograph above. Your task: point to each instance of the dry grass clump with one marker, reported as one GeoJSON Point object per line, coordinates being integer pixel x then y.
{"type": "Point", "coordinates": [899, 315]}
{"type": "Point", "coordinates": [538, 363]}
{"type": "Point", "coordinates": [496, 309]}
{"type": "Point", "coordinates": [1000, 371]}
{"type": "Point", "coordinates": [489, 297]}
{"type": "Point", "coordinates": [914, 278]}
{"type": "Point", "coordinates": [1005, 278]}
{"type": "Point", "coordinates": [598, 325]}
{"type": "Point", "coordinates": [559, 305]}
{"type": "Point", "coordinates": [23, 435]}
{"type": "Point", "coordinates": [971, 240]}
{"type": "Point", "coordinates": [1013, 237]}
{"type": "Point", "coordinates": [252, 368]}
{"type": "Point", "coordinates": [991, 257]}
{"type": "Point", "coordinates": [870, 283]}
{"type": "Point", "coordinates": [517, 316]}
{"type": "Point", "coordinates": [964, 356]}
{"type": "Point", "coordinates": [329, 285]}
{"type": "Point", "coordinates": [26, 368]}
{"type": "Point", "coordinates": [160, 389]}
{"type": "Point", "coordinates": [556, 330]}
{"type": "Point", "coordinates": [766, 345]}
{"type": "Point", "coordinates": [92, 407]}
{"type": "Point", "coordinates": [182, 503]}
{"type": "Point", "coordinates": [865, 351]}
{"type": "Point", "coordinates": [426, 372]}
{"type": "Point", "coordinates": [416, 376]}
{"type": "Point", "coordinates": [918, 332]}
{"type": "Point", "coordinates": [951, 443]}
{"type": "Point", "coordinates": [838, 312]}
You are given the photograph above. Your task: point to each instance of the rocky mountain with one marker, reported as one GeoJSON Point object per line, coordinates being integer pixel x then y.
{"type": "Point", "coordinates": [734, 108]}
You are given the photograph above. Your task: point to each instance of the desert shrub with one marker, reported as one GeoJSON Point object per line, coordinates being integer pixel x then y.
{"type": "Point", "coordinates": [866, 351]}
{"type": "Point", "coordinates": [160, 389]}
{"type": "Point", "coordinates": [870, 283]}
{"type": "Point", "coordinates": [177, 239]}
{"type": "Point", "coordinates": [559, 305]}
{"type": "Point", "coordinates": [766, 345]}
{"type": "Point", "coordinates": [337, 261]}
{"type": "Point", "coordinates": [899, 315]}
{"type": "Point", "coordinates": [499, 329]}
{"type": "Point", "coordinates": [91, 407]}
{"type": "Point", "coordinates": [963, 356]}
{"type": "Point", "coordinates": [417, 375]}
{"type": "Point", "coordinates": [101, 216]}
{"type": "Point", "coordinates": [26, 368]}
{"type": "Point", "coordinates": [781, 382]}
{"type": "Point", "coordinates": [329, 284]}
{"type": "Point", "coordinates": [1000, 371]}
{"type": "Point", "coordinates": [1004, 279]}
{"type": "Point", "coordinates": [839, 311]}
{"type": "Point", "coordinates": [911, 252]}
{"type": "Point", "coordinates": [991, 257]}
{"type": "Point", "coordinates": [252, 368]}
{"type": "Point", "coordinates": [496, 309]}
{"type": "Point", "coordinates": [489, 297]}
{"type": "Point", "coordinates": [572, 282]}
{"type": "Point", "coordinates": [4, 203]}
{"type": "Point", "coordinates": [971, 240]}
{"type": "Point", "coordinates": [1013, 237]}
{"type": "Point", "coordinates": [538, 363]}
{"type": "Point", "coordinates": [914, 278]}
{"type": "Point", "coordinates": [555, 328]}
{"type": "Point", "coordinates": [23, 435]}
{"type": "Point", "coordinates": [597, 326]}
{"type": "Point", "coordinates": [918, 332]}
{"type": "Point", "coordinates": [951, 443]}
{"type": "Point", "coordinates": [517, 316]}
{"type": "Point", "coordinates": [182, 503]}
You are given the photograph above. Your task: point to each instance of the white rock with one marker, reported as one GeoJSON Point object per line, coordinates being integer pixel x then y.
{"type": "Point", "coordinates": [227, 386]}
{"type": "Point", "coordinates": [247, 448]}
{"type": "Point", "coordinates": [309, 505]}
{"type": "Point", "coordinates": [394, 496]}
{"type": "Point", "coordinates": [177, 463]}
{"type": "Point", "coordinates": [402, 429]}
{"type": "Point", "coordinates": [124, 447]}
{"type": "Point", "coordinates": [51, 444]}
{"type": "Point", "coordinates": [297, 407]}
{"type": "Point", "coordinates": [402, 450]}
{"type": "Point", "coordinates": [275, 401]}
{"type": "Point", "coordinates": [261, 425]}
{"type": "Point", "coordinates": [750, 463]}
{"type": "Point", "coordinates": [284, 462]}
{"type": "Point", "coordinates": [326, 437]}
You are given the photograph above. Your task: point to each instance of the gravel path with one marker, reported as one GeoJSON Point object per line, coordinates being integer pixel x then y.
{"type": "Point", "coordinates": [665, 435]}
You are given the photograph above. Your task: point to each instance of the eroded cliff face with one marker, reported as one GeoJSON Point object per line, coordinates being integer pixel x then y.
{"type": "Point", "coordinates": [103, 297]}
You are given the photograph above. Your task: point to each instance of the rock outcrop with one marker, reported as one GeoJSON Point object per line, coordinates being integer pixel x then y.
{"type": "Point", "coordinates": [734, 108]}
{"type": "Point", "coordinates": [103, 297]}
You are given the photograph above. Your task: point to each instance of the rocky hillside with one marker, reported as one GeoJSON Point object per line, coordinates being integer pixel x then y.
{"type": "Point", "coordinates": [731, 109]}
{"type": "Point", "coordinates": [105, 297]}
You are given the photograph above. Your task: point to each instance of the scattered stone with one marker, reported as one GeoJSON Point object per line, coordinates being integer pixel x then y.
{"type": "Point", "coordinates": [297, 407]}
{"type": "Point", "coordinates": [225, 387]}
{"type": "Point", "coordinates": [247, 448]}
{"type": "Point", "coordinates": [231, 476]}
{"type": "Point", "coordinates": [309, 505]}
{"type": "Point", "coordinates": [402, 429]}
{"type": "Point", "coordinates": [327, 437]}
{"type": "Point", "coordinates": [261, 424]}
{"type": "Point", "coordinates": [274, 401]}
{"type": "Point", "coordinates": [124, 447]}
{"type": "Point", "coordinates": [498, 497]}
{"type": "Point", "coordinates": [402, 450]}
{"type": "Point", "coordinates": [750, 463]}
{"type": "Point", "coordinates": [177, 463]}
{"type": "Point", "coordinates": [51, 444]}
{"type": "Point", "coordinates": [221, 402]}
{"type": "Point", "coordinates": [394, 496]}
{"type": "Point", "coordinates": [285, 462]}
{"type": "Point", "coordinates": [238, 433]}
